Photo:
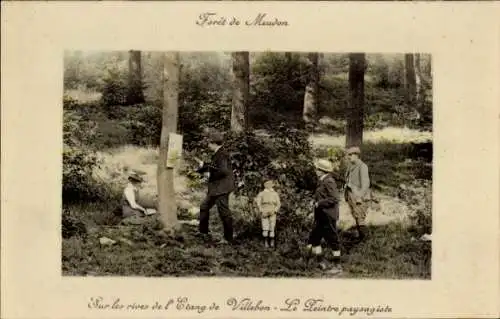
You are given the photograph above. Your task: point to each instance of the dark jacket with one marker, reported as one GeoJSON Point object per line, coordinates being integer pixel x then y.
{"type": "Point", "coordinates": [221, 180]}
{"type": "Point", "coordinates": [327, 196]}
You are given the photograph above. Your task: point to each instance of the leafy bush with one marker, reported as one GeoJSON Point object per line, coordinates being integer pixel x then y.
{"type": "Point", "coordinates": [205, 101]}
{"type": "Point", "coordinates": [285, 157]}
{"type": "Point", "coordinates": [72, 226]}
{"type": "Point", "coordinates": [277, 85]}
{"type": "Point", "coordinates": [418, 196]}
{"type": "Point", "coordinates": [115, 88]}
{"type": "Point", "coordinates": [79, 161]}
{"type": "Point", "coordinates": [143, 123]}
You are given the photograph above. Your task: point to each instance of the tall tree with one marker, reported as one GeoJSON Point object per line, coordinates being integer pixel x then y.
{"type": "Point", "coordinates": [410, 81]}
{"type": "Point", "coordinates": [355, 109]}
{"type": "Point", "coordinates": [135, 94]}
{"type": "Point", "coordinates": [165, 176]}
{"type": "Point", "coordinates": [241, 91]}
{"type": "Point", "coordinates": [311, 96]}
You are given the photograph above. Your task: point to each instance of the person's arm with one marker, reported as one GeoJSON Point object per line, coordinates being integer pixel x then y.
{"type": "Point", "coordinates": [202, 166]}
{"type": "Point", "coordinates": [332, 194]}
{"type": "Point", "coordinates": [130, 196]}
{"type": "Point", "coordinates": [278, 202]}
{"type": "Point", "coordinates": [365, 181]}
{"type": "Point", "coordinates": [258, 200]}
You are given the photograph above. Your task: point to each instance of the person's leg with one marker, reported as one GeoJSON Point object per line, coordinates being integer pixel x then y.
{"type": "Point", "coordinates": [205, 207]}
{"type": "Point", "coordinates": [332, 238]}
{"type": "Point", "coordinates": [361, 213]}
{"type": "Point", "coordinates": [272, 228]}
{"type": "Point", "coordinates": [128, 211]}
{"type": "Point", "coordinates": [265, 230]}
{"type": "Point", "coordinates": [222, 202]}
{"type": "Point", "coordinates": [358, 212]}
{"type": "Point", "coordinates": [315, 234]}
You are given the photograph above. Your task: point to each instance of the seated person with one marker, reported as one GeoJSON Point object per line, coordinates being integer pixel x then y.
{"type": "Point", "coordinates": [130, 196]}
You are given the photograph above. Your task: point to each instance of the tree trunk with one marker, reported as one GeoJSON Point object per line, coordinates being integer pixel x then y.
{"type": "Point", "coordinates": [165, 176]}
{"type": "Point", "coordinates": [311, 98]}
{"type": "Point", "coordinates": [419, 81]}
{"type": "Point", "coordinates": [355, 112]}
{"type": "Point", "coordinates": [135, 94]}
{"type": "Point", "coordinates": [241, 91]}
{"type": "Point", "coordinates": [410, 81]}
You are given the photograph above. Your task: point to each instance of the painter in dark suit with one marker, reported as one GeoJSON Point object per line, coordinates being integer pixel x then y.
{"type": "Point", "coordinates": [221, 183]}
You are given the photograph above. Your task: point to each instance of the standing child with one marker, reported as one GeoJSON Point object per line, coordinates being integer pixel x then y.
{"type": "Point", "coordinates": [268, 202]}
{"type": "Point", "coordinates": [326, 215]}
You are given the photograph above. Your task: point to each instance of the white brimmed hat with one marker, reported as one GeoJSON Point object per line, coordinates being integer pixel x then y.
{"type": "Point", "coordinates": [324, 165]}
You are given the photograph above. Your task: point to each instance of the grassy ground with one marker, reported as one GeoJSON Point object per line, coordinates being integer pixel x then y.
{"type": "Point", "coordinates": [391, 251]}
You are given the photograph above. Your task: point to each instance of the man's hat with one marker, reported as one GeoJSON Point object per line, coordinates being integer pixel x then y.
{"type": "Point", "coordinates": [135, 177]}
{"type": "Point", "coordinates": [324, 165]}
{"type": "Point", "coordinates": [353, 150]}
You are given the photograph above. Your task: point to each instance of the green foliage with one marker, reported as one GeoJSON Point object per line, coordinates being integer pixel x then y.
{"type": "Point", "coordinates": [115, 89]}
{"type": "Point", "coordinates": [418, 196]}
{"type": "Point", "coordinates": [143, 124]}
{"type": "Point", "coordinates": [285, 157]}
{"type": "Point", "coordinates": [205, 101]}
{"type": "Point", "coordinates": [79, 161]}
{"type": "Point", "coordinates": [390, 253]}
{"type": "Point", "coordinates": [277, 87]}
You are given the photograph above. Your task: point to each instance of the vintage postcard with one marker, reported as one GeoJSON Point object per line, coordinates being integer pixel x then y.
{"type": "Point", "coordinates": [250, 160]}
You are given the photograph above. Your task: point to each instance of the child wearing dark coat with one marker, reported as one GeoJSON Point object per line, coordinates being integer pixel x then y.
{"type": "Point", "coordinates": [326, 215]}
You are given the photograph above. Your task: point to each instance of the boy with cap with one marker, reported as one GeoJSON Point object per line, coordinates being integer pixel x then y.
{"type": "Point", "coordinates": [268, 202]}
{"type": "Point", "coordinates": [221, 183]}
{"type": "Point", "coordinates": [326, 214]}
{"type": "Point", "coordinates": [357, 189]}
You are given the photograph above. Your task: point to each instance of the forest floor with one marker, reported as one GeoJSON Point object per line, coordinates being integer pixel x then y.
{"type": "Point", "coordinates": [391, 251]}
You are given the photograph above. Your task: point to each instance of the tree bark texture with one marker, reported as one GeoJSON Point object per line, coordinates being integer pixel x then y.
{"type": "Point", "coordinates": [165, 176]}
{"type": "Point", "coordinates": [311, 99]}
{"type": "Point", "coordinates": [241, 91]}
{"type": "Point", "coordinates": [355, 109]}
{"type": "Point", "coordinates": [135, 93]}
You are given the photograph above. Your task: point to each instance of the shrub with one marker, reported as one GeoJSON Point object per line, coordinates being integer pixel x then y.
{"type": "Point", "coordinates": [418, 196]}
{"type": "Point", "coordinates": [285, 157]}
{"type": "Point", "coordinates": [115, 89]}
{"type": "Point", "coordinates": [143, 123]}
{"type": "Point", "coordinates": [72, 226]}
{"type": "Point", "coordinates": [79, 161]}
{"type": "Point", "coordinates": [205, 101]}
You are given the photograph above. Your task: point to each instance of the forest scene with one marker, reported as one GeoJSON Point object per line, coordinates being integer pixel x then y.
{"type": "Point", "coordinates": [279, 112]}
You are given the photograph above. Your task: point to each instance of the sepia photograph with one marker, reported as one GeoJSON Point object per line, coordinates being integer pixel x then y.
{"type": "Point", "coordinates": [253, 164]}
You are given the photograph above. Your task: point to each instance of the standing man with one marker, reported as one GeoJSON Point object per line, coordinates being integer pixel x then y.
{"type": "Point", "coordinates": [221, 183]}
{"type": "Point", "coordinates": [357, 189]}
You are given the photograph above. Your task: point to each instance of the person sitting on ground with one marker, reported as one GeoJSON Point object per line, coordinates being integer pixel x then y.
{"type": "Point", "coordinates": [268, 204]}
{"type": "Point", "coordinates": [326, 214]}
{"type": "Point", "coordinates": [130, 196]}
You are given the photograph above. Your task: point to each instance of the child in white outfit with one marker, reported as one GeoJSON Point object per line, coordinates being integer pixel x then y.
{"type": "Point", "coordinates": [268, 203]}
